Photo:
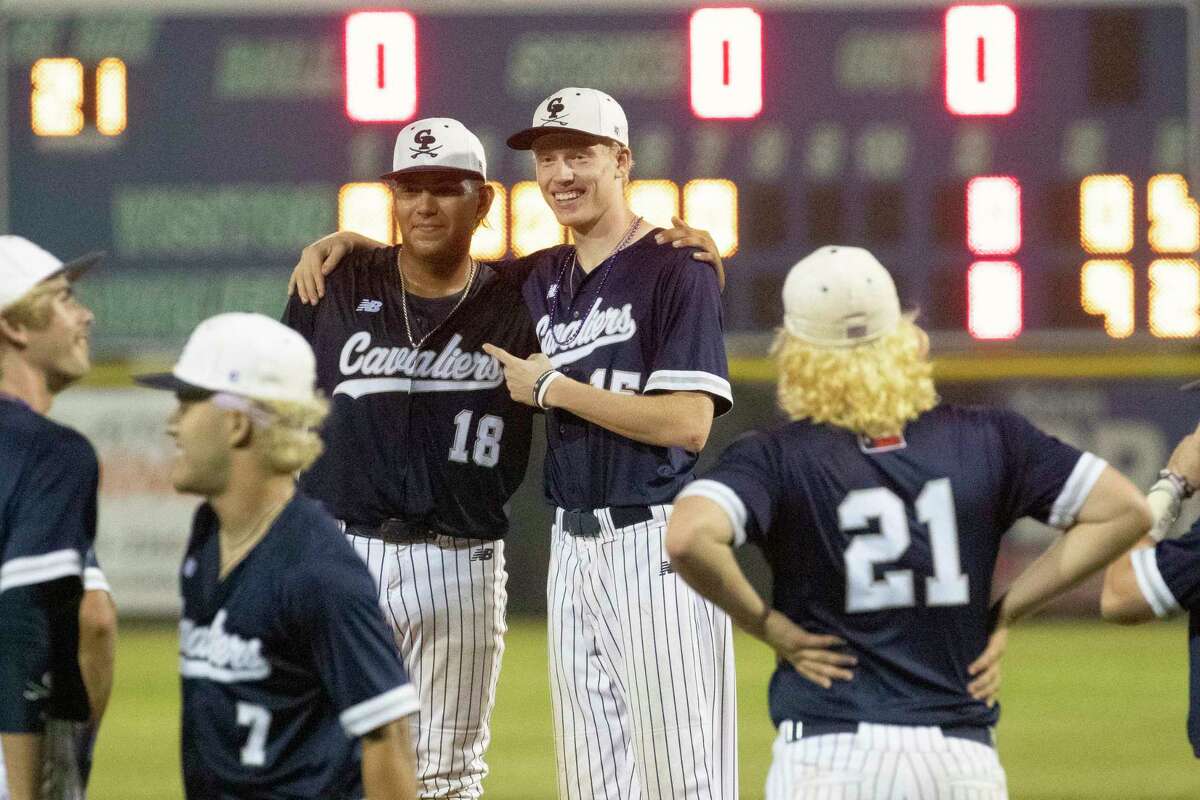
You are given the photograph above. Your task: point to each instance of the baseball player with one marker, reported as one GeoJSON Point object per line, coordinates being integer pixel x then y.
{"type": "Point", "coordinates": [424, 445]}
{"type": "Point", "coordinates": [1160, 577]}
{"type": "Point", "coordinates": [57, 621]}
{"type": "Point", "coordinates": [630, 372]}
{"type": "Point", "coordinates": [880, 512]}
{"type": "Point", "coordinates": [292, 687]}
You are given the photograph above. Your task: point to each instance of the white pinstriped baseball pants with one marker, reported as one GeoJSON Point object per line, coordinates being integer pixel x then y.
{"type": "Point", "coordinates": [445, 600]}
{"type": "Point", "coordinates": [883, 762]}
{"type": "Point", "coordinates": [641, 671]}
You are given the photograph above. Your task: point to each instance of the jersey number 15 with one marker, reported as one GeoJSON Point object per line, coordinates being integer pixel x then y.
{"type": "Point", "coordinates": [948, 586]}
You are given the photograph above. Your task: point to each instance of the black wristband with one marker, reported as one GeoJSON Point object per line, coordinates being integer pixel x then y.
{"type": "Point", "coordinates": [537, 385]}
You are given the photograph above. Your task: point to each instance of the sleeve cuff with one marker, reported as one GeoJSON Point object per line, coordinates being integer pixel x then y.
{"type": "Point", "coordinates": [1076, 490]}
{"type": "Point", "coordinates": [30, 570]}
{"type": "Point", "coordinates": [361, 719]}
{"type": "Point", "coordinates": [724, 497]}
{"type": "Point", "coordinates": [1150, 581]}
{"type": "Point", "coordinates": [94, 580]}
{"type": "Point", "coordinates": [677, 380]}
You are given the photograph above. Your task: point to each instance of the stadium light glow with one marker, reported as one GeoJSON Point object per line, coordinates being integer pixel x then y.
{"type": "Point", "coordinates": [712, 204]}
{"type": "Point", "coordinates": [381, 66]}
{"type": "Point", "coordinates": [1174, 216]}
{"type": "Point", "coordinates": [981, 60]}
{"type": "Point", "coordinates": [366, 208]}
{"type": "Point", "coordinates": [56, 104]}
{"type": "Point", "coordinates": [534, 225]}
{"type": "Point", "coordinates": [1106, 289]}
{"type": "Point", "coordinates": [490, 240]}
{"type": "Point", "coordinates": [1106, 214]}
{"type": "Point", "coordinates": [994, 215]}
{"type": "Point", "coordinates": [1174, 311]}
{"type": "Point", "coordinates": [994, 300]}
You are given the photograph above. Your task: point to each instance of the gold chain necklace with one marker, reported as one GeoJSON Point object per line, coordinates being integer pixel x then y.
{"type": "Point", "coordinates": [238, 550]}
{"type": "Point", "coordinates": [416, 344]}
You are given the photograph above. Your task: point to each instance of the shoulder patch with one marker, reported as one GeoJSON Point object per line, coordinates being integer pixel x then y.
{"type": "Point", "coordinates": [881, 444]}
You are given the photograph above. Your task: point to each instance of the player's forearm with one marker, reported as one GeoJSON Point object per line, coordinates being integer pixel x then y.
{"type": "Point", "coordinates": [388, 763]}
{"type": "Point", "coordinates": [701, 555]}
{"type": "Point", "coordinates": [677, 419]}
{"type": "Point", "coordinates": [1082, 551]}
{"type": "Point", "coordinates": [97, 648]}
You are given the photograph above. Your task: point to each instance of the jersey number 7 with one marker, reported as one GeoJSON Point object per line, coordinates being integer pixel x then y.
{"type": "Point", "coordinates": [948, 586]}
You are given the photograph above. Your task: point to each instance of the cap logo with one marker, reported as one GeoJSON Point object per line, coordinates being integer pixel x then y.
{"type": "Point", "coordinates": [555, 107]}
{"type": "Point", "coordinates": [425, 139]}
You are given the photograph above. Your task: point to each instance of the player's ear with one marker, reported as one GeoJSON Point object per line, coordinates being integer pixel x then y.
{"type": "Point", "coordinates": [487, 195]}
{"type": "Point", "coordinates": [241, 430]}
{"type": "Point", "coordinates": [13, 332]}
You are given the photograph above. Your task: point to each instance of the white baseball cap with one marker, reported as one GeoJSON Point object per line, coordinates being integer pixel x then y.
{"type": "Point", "coordinates": [23, 265]}
{"type": "Point", "coordinates": [575, 110]}
{"type": "Point", "coordinates": [839, 297]}
{"type": "Point", "coordinates": [249, 355]}
{"type": "Point", "coordinates": [437, 144]}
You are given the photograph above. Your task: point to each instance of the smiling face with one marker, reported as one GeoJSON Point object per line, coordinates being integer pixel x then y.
{"type": "Point", "coordinates": [57, 333]}
{"type": "Point", "coordinates": [581, 177]}
{"type": "Point", "coordinates": [438, 213]}
{"type": "Point", "coordinates": [202, 459]}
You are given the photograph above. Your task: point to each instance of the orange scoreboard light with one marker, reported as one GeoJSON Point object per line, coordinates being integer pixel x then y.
{"type": "Point", "coordinates": [1020, 167]}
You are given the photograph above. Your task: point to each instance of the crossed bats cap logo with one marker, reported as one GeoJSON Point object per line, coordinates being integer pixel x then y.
{"type": "Point", "coordinates": [555, 107]}
{"type": "Point", "coordinates": [425, 139]}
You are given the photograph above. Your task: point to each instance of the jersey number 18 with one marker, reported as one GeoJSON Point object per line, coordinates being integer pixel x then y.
{"type": "Point", "coordinates": [948, 586]}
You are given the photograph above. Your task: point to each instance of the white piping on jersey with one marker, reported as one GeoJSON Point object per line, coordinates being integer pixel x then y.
{"type": "Point", "coordinates": [1150, 580]}
{"type": "Point", "coordinates": [30, 570]}
{"type": "Point", "coordinates": [1076, 490]}
{"type": "Point", "coordinates": [726, 498]}
{"type": "Point", "coordinates": [209, 652]}
{"type": "Point", "coordinates": [579, 338]}
{"type": "Point", "coordinates": [683, 380]}
{"type": "Point", "coordinates": [394, 704]}
{"type": "Point", "coordinates": [363, 386]}
{"type": "Point", "coordinates": [450, 364]}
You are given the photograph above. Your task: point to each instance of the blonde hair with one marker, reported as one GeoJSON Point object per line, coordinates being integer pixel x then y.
{"type": "Point", "coordinates": [33, 310]}
{"type": "Point", "coordinates": [292, 440]}
{"type": "Point", "coordinates": [874, 389]}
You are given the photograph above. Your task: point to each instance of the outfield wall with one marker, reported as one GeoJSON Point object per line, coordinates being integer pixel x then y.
{"type": "Point", "coordinates": [1131, 422]}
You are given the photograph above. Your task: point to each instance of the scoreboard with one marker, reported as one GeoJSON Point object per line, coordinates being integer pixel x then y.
{"type": "Point", "coordinates": [1022, 168]}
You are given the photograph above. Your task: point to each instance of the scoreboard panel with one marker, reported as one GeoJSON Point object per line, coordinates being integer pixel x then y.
{"type": "Point", "coordinates": [1021, 168]}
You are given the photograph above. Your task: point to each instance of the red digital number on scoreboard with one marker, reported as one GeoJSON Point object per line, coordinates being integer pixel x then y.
{"type": "Point", "coordinates": [381, 66]}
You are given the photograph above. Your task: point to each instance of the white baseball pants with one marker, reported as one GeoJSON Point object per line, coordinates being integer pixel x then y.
{"type": "Point", "coordinates": [883, 762]}
{"type": "Point", "coordinates": [445, 600]}
{"type": "Point", "coordinates": [641, 671]}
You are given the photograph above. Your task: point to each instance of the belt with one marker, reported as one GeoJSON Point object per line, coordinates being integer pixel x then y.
{"type": "Point", "coordinates": [975, 733]}
{"type": "Point", "coordinates": [585, 523]}
{"type": "Point", "coordinates": [397, 531]}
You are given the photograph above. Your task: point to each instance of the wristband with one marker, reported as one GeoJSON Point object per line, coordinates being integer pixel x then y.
{"type": "Point", "coordinates": [1186, 490]}
{"type": "Point", "coordinates": [541, 385]}
{"type": "Point", "coordinates": [1165, 498]}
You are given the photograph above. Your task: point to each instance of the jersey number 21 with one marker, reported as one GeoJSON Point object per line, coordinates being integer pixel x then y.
{"type": "Point", "coordinates": [948, 586]}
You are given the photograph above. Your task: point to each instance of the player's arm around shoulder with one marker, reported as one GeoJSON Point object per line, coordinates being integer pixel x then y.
{"type": "Point", "coordinates": [320, 259]}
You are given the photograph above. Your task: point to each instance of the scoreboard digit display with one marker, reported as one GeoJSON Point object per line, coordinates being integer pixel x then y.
{"type": "Point", "coordinates": [1023, 169]}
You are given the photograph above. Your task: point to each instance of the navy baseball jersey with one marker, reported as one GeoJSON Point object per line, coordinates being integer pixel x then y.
{"type": "Point", "coordinates": [425, 434]}
{"type": "Point", "coordinates": [647, 321]}
{"type": "Point", "coordinates": [1169, 576]}
{"type": "Point", "coordinates": [891, 545]}
{"type": "Point", "coordinates": [285, 663]}
{"type": "Point", "coordinates": [48, 482]}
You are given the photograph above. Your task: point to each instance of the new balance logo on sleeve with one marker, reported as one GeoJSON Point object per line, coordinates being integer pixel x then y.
{"type": "Point", "coordinates": [370, 306]}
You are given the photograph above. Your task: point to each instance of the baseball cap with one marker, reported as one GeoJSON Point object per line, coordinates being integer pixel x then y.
{"type": "Point", "coordinates": [839, 297]}
{"type": "Point", "coordinates": [437, 144]}
{"type": "Point", "coordinates": [23, 265]}
{"type": "Point", "coordinates": [249, 355]}
{"type": "Point", "coordinates": [575, 110]}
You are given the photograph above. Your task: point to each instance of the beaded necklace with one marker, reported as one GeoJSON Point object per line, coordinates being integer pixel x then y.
{"type": "Point", "coordinates": [568, 268]}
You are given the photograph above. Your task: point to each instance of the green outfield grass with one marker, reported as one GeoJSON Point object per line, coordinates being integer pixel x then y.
{"type": "Point", "coordinates": [1092, 712]}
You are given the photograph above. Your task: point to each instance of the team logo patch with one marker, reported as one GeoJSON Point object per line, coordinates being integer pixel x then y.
{"type": "Point", "coordinates": [425, 139]}
{"type": "Point", "coordinates": [882, 444]}
{"type": "Point", "coordinates": [370, 306]}
{"type": "Point", "coordinates": [554, 109]}
{"type": "Point", "coordinates": [666, 569]}
{"type": "Point", "coordinates": [481, 554]}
